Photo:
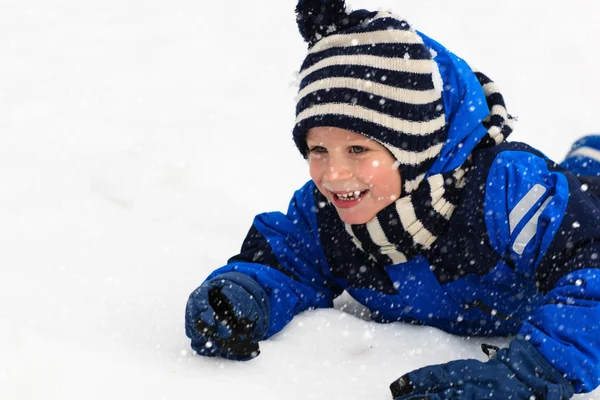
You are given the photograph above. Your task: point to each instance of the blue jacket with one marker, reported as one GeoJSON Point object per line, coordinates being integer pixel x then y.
{"type": "Point", "coordinates": [521, 255]}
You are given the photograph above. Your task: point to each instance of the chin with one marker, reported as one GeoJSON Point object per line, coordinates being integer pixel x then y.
{"type": "Point", "coordinates": [354, 219]}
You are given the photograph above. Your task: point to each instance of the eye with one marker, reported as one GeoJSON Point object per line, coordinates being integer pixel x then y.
{"type": "Point", "coordinates": [357, 149]}
{"type": "Point", "coordinates": [317, 150]}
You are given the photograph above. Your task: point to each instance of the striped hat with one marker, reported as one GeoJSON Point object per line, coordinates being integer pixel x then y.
{"type": "Point", "coordinates": [370, 73]}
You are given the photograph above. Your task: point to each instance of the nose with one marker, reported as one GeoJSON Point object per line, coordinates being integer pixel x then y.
{"type": "Point", "coordinates": [339, 168]}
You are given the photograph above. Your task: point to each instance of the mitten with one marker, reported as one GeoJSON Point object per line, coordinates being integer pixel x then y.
{"type": "Point", "coordinates": [226, 316]}
{"type": "Point", "coordinates": [518, 372]}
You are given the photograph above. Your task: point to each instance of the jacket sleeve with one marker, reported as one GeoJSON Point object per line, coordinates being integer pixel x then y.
{"type": "Point", "coordinates": [551, 233]}
{"type": "Point", "coordinates": [284, 255]}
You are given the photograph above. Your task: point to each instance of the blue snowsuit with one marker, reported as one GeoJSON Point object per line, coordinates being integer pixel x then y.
{"type": "Point", "coordinates": [521, 257]}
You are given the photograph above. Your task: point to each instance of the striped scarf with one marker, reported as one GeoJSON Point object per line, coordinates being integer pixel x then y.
{"type": "Point", "coordinates": [413, 222]}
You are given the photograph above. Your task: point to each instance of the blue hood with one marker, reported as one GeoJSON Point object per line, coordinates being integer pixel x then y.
{"type": "Point", "coordinates": [465, 106]}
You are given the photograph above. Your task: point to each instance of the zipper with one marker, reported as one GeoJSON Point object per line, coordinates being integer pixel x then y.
{"type": "Point", "coordinates": [490, 311]}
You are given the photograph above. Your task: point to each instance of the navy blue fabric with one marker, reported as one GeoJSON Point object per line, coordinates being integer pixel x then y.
{"type": "Point", "coordinates": [413, 112]}
{"type": "Point", "coordinates": [294, 240]}
{"type": "Point", "coordinates": [402, 238]}
{"type": "Point", "coordinates": [349, 265]}
{"type": "Point", "coordinates": [381, 24]}
{"type": "Point", "coordinates": [227, 316]}
{"type": "Point", "coordinates": [579, 164]}
{"type": "Point", "coordinates": [414, 51]}
{"type": "Point", "coordinates": [256, 249]}
{"type": "Point", "coordinates": [518, 372]}
{"type": "Point", "coordinates": [381, 134]}
{"type": "Point", "coordinates": [576, 248]}
{"type": "Point", "coordinates": [397, 79]}
{"type": "Point", "coordinates": [431, 219]}
{"type": "Point", "coordinates": [467, 231]}
{"type": "Point", "coordinates": [316, 18]}
{"type": "Point", "coordinates": [470, 282]}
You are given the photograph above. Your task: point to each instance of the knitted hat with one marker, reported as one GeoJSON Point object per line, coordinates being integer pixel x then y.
{"type": "Point", "coordinates": [370, 73]}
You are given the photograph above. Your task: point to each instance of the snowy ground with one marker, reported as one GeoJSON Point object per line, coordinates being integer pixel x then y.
{"type": "Point", "coordinates": [139, 137]}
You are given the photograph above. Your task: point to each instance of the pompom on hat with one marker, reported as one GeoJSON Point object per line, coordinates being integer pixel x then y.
{"type": "Point", "coordinates": [372, 73]}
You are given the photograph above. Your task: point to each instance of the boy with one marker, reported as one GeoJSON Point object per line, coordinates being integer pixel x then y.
{"type": "Point", "coordinates": [423, 213]}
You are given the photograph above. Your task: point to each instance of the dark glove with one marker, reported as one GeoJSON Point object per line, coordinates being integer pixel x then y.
{"type": "Point", "coordinates": [518, 372]}
{"type": "Point", "coordinates": [227, 316]}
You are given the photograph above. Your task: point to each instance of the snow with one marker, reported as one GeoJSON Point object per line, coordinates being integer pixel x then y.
{"type": "Point", "coordinates": [139, 138]}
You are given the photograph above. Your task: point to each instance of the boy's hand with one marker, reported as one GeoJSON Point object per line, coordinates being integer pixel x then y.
{"type": "Point", "coordinates": [227, 316]}
{"type": "Point", "coordinates": [518, 372]}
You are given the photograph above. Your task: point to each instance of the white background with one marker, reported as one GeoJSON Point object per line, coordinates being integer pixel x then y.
{"type": "Point", "coordinates": [138, 138]}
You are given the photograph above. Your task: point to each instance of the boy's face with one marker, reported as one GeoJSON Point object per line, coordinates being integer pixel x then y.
{"type": "Point", "coordinates": [357, 175]}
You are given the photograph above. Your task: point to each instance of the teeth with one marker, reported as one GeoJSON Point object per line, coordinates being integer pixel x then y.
{"type": "Point", "coordinates": [349, 195]}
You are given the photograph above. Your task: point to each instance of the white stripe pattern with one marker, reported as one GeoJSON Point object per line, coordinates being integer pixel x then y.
{"type": "Point", "coordinates": [406, 157]}
{"type": "Point", "coordinates": [357, 39]}
{"type": "Point", "coordinates": [499, 110]}
{"type": "Point", "coordinates": [411, 223]}
{"type": "Point", "coordinates": [413, 184]}
{"type": "Point", "coordinates": [585, 151]}
{"type": "Point", "coordinates": [459, 174]}
{"type": "Point", "coordinates": [438, 201]}
{"type": "Point", "coordinates": [356, 242]}
{"type": "Point", "coordinates": [496, 134]}
{"type": "Point", "coordinates": [444, 207]}
{"type": "Point", "coordinates": [437, 188]}
{"type": "Point", "coordinates": [391, 15]}
{"type": "Point", "coordinates": [365, 60]}
{"type": "Point", "coordinates": [423, 236]}
{"type": "Point", "coordinates": [353, 110]}
{"type": "Point", "coordinates": [436, 182]}
{"type": "Point", "coordinates": [440, 204]}
{"type": "Point", "coordinates": [525, 205]}
{"type": "Point", "coordinates": [529, 230]}
{"type": "Point", "coordinates": [375, 88]}
{"type": "Point", "coordinates": [379, 238]}
{"type": "Point", "coordinates": [490, 88]}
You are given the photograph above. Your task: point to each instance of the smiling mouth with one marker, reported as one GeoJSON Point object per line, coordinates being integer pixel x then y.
{"type": "Point", "coordinates": [349, 196]}
{"type": "Point", "coordinates": [347, 199]}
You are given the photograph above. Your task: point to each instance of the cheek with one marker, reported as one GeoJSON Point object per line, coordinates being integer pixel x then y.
{"type": "Point", "coordinates": [386, 182]}
{"type": "Point", "coordinates": [315, 170]}
{"type": "Point", "coordinates": [366, 170]}
{"type": "Point", "coordinates": [372, 175]}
